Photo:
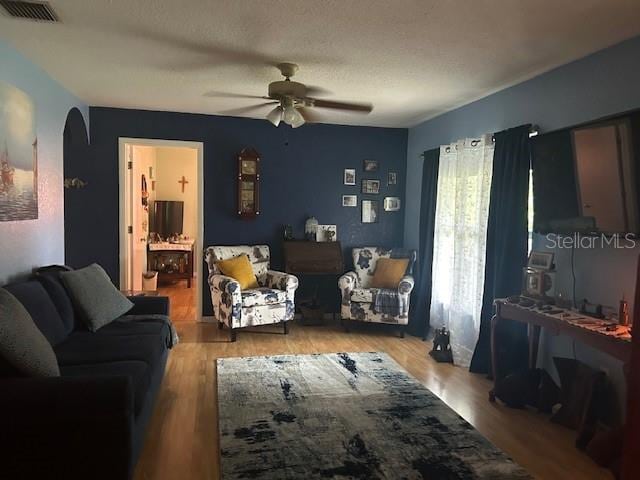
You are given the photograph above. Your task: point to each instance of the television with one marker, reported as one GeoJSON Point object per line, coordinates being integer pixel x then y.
{"type": "Point", "coordinates": [586, 178]}
{"type": "Point", "coordinates": [166, 217]}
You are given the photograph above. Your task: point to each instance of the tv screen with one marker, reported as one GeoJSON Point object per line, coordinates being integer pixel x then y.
{"type": "Point", "coordinates": [166, 218]}
{"type": "Point", "coordinates": [585, 178]}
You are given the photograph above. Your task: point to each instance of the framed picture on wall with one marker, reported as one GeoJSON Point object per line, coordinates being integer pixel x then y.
{"type": "Point", "coordinates": [391, 204]}
{"type": "Point", "coordinates": [349, 176]}
{"type": "Point", "coordinates": [370, 165]}
{"type": "Point", "coordinates": [369, 211]}
{"type": "Point", "coordinates": [371, 186]}
{"type": "Point", "coordinates": [349, 200]}
{"type": "Point", "coordinates": [392, 178]}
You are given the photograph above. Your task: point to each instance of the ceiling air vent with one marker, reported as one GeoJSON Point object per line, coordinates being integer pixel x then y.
{"type": "Point", "coordinates": [39, 11]}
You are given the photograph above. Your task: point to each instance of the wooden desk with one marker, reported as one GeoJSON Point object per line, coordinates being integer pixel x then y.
{"type": "Point", "coordinates": [313, 258]}
{"type": "Point", "coordinates": [617, 346]}
{"type": "Point", "coordinates": [302, 257]}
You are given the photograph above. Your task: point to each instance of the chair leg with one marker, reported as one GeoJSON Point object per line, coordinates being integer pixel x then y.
{"type": "Point", "coordinates": [220, 325]}
{"type": "Point", "coordinates": [232, 335]}
{"type": "Point", "coordinates": [286, 327]}
{"type": "Point", "coordinates": [402, 329]}
{"type": "Point", "coordinates": [345, 325]}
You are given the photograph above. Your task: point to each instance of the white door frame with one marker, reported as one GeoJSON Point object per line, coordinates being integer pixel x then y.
{"type": "Point", "coordinates": [198, 246]}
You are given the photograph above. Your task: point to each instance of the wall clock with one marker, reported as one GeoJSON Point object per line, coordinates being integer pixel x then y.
{"type": "Point", "coordinates": [248, 183]}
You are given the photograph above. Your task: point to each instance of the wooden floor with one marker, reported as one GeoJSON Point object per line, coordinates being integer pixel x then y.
{"type": "Point", "coordinates": [182, 300]}
{"type": "Point", "coordinates": [182, 440]}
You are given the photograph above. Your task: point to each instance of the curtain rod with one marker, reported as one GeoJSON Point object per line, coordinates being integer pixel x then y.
{"type": "Point", "coordinates": [533, 131]}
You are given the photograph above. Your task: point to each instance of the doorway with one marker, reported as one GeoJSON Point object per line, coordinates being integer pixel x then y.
{"type": "Point", "coordinates": [161, 222]}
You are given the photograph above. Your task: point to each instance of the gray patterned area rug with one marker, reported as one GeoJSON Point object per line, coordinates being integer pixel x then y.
{"type": "Point", "coordinates": [344, 416]}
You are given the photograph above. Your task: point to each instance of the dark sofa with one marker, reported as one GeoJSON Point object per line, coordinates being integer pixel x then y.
{"type": "Point", "coordinates": [90, 422]}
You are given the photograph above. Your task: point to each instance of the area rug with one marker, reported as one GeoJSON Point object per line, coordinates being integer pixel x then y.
{"type": "Point", "coordinates": [344, 416]}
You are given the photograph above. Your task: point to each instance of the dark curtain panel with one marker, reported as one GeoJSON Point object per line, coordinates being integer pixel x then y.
{"type": "Point", "coordinates": [421, 295]}
{"type": "Point", "coordinates": [507, 236]}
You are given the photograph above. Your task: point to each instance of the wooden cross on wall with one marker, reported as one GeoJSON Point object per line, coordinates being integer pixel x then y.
{"type": "Point", "coordinates": [183, 182]}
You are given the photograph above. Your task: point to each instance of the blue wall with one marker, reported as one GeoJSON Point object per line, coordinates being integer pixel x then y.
{"type": "Point", "coordinates": [32, 243]}
{"type": "Point", "coordinates": [302, 173]}
{"type": "Point", "coordinates": [601, 84]}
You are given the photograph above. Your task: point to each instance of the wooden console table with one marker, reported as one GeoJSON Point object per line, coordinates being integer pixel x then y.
{"type": "Point", "coordinates": [617, 344]}
{"type": "Point", "coordinates": [161, 258]}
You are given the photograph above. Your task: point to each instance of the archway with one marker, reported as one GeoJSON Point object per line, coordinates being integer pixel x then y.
{"type": "Point", "coordinates": [77, 209]}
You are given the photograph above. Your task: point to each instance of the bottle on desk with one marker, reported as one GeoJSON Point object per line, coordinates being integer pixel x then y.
{"type": "Point", "coordinates": [623, 313]}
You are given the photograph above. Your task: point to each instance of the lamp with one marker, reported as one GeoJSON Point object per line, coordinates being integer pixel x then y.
{"type": "Point", "coordinates": [275, 115]}
{"type": "Point", "coordinates": [286, 112]}
{"type": "Point", "coordinates": [298, 120]}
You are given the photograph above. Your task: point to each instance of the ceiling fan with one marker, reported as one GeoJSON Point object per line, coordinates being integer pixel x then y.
{"type": "Point", "coordinates": [293, 103]}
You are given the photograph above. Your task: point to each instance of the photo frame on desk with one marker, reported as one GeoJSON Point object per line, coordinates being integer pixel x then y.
{"type": "Point", "coordinates": [540, 260]}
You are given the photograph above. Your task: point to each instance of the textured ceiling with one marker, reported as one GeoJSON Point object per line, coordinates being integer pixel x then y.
{"type": "Point", "coordinates": [412, 59]}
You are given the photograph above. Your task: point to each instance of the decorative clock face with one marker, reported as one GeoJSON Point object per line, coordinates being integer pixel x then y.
{"type": "Point", "coordinates": [248, 167]}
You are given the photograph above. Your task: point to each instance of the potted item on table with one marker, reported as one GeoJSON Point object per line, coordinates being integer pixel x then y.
{"type": "Point", "coordinates": [310, 228]}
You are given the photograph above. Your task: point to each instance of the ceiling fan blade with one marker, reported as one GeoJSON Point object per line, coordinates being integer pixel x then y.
{"type": "Point", "coordinates": [349, 106]}
{"type": "Point", "coordinates": [317, 91]}
{"type": "Point", "coordinates": [309, 115]}
{"type": "Point", "coordinates": [251, 108]}
{"type": "Point", "coordinates": [218, 54]}
{"type": "Point", "coordinates": [216, 94]}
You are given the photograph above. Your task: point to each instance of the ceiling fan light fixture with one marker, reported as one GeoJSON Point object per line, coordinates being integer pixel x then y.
{"type": "Point", "coordinates": [289, 115]}
{"type": "Point", "coordinates": [298, 121]}
{"type": "Point", "coordinates": [275, 115]}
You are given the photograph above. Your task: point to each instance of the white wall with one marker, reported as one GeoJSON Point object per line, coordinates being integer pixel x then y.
{"type": "Point", "coordinates": [171, 163]}
{"type": "Point", "coordinates": [33, 243]}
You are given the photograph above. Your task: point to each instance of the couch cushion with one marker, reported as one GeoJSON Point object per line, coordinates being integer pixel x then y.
{"type": "Point", "coordinates": [138, 371]}
{"type": "Point", "coordinates": [137, 327]}
{"type": "Point", "coordinates": [95, 297]}
{"type": "Point", "coordinates": [60, 298]}
{"type": "Point", "coordinates": [22, 344]}
{"type": "Point", "coordinates": [263, 296]}
{"type": "Point", "coordinates": [87, 347]}
{"type": "Point", "coordinates": [43, 311]}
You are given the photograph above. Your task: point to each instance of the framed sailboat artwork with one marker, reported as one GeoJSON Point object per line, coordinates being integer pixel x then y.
{"type": "Point", "coordinates": [18, 156]}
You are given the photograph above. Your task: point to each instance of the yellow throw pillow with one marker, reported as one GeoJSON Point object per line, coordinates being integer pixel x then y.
{"type": "Point", "coordinates": [239, 268]}
{"type": "Point", "coordinates": [389, 272]}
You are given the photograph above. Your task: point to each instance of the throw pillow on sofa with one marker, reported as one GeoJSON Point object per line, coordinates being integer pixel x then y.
{"type": "Point", "coordinates": [22, 344]}
{"type": "Point", "coordinates": [96, 299]}
{"type": "Point", "coordinates": [389, 272]}
{"type": "Point", "coordinates": [239, 268]}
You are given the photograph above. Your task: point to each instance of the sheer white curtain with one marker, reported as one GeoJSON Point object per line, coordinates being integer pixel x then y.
{"type": "Point", "coordinates": [462, 210]}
